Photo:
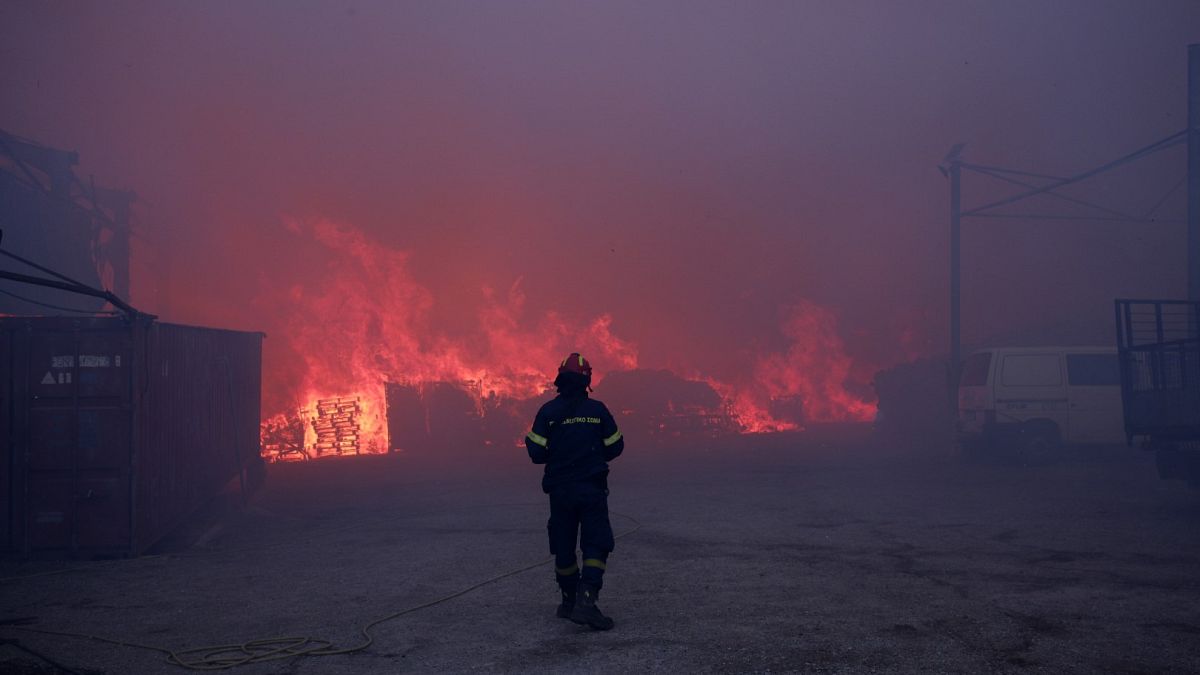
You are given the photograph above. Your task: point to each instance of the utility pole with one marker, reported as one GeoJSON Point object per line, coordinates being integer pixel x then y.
{"type": "Point", "coordinates": [1193, 174]}
{"type": "Point", "coordinates": [955, 276]}
{"type": "Point", "coordinates": [951, 167]}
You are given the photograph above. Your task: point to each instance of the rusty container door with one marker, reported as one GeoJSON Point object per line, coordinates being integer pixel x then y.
{"type": "Point", "coordinates": [71, 410]}
{"type": "Point", "coordinates": [198, 400]}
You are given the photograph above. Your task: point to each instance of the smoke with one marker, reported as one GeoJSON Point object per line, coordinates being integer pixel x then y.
{"type": "Point", "coordinates": [742, 194]}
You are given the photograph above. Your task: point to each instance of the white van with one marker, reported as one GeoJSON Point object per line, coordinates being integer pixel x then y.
{"type": "Point", "coordinates": [1033, 399]}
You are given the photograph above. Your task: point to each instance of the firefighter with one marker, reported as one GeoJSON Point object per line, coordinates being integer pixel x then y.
{"type": "Point", "coordinates": [576, 437]}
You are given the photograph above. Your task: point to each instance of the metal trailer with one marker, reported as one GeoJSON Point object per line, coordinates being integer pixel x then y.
{"type": "Point", "coordinates": [1158, 344]}
{"type": "Point", "coordinates": [113, 430]}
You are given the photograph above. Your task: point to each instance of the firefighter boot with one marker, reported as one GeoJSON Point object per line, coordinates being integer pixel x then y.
{"type": "Point", "coordinates": [568, 602]}
{"type": "Point", "coordinates": [568, 582]}
{"type": "Point", "coordinates": [586, 611]}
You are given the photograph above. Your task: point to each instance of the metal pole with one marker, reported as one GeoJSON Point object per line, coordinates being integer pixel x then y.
{"type": "Point", "coordinates": [955, 276]}
{"type": "Point", "coordinates": [955, 172]}
{"type": "Point", "coordinates": [73, 288]}
{"type": "Point", "coordinates": [1193, 177]}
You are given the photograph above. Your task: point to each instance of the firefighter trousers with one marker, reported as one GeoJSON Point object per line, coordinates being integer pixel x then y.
{"type": "Point", "coordinates": [579, 513]}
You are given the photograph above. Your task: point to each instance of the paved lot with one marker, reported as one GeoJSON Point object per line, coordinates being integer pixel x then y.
{"type": "Point", "coordinates": [791, 555]}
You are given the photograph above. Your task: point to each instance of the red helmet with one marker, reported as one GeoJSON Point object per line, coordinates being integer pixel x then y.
{"type": "Point", "coordinates": [575, 364]}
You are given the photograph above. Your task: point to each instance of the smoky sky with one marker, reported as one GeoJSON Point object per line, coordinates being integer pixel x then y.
{"type": "Point", "coordinates": [691, 168]}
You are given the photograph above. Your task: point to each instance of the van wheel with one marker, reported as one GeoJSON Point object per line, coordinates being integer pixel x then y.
{"type": "Point", "coordinates": [1039, 444]}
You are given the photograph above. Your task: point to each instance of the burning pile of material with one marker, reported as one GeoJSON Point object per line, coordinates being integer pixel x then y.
{"type": "Point", "coordinates": [336, 426]}
{"type": "Point", "coordinates": [341, 373]}
{"type": "Point", "coordinates": [283, 438]}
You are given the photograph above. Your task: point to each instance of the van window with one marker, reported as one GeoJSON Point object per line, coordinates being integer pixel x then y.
{"type": "Point", "coordinates": [1031, 370]}
{"type": "Point", "coordinates": [975, 370]}
{"type": "Point", "coordinates": [1093, 370]}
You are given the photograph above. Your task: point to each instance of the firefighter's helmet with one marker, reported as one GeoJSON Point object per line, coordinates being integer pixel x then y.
{"type": "Point", "coordinates": [575, 364]}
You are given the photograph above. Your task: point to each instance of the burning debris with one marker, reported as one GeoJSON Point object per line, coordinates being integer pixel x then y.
{"type": "Point", "coordinates": [330, 428]}
{"type": "Point", "coordinates": [461, 391]}
{"type": "Point", "coordinates": [283, 438]}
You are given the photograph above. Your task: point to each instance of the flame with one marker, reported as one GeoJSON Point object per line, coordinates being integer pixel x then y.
{"type": "Point", "coordinates": [815, 368]}
{"type": "Point", "coordinates": [749, 408]}
{"type": "Point", "coordinates": [362, 321]}
{"type": "Point", "coordinates": [810, 377]}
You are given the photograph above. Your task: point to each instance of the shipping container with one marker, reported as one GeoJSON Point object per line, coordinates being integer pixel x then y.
{"type": "Point", "coordinates": [113, 430]}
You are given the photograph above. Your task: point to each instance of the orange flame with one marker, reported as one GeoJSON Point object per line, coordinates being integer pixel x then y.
{"type": "Point", "coordinates": [815, 367]}
{"type": "Point", "coordinates": [363, 321]}
{"type": "Point", "coordinates": [812, 374]}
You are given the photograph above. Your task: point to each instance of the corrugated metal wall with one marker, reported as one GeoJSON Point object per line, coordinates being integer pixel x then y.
{"type": "Point", "coordinates": [198, 419]}
{"type": "Point", "coordinates": [8, 504]}
{"type": "Point", "coordinates": [115, 430]}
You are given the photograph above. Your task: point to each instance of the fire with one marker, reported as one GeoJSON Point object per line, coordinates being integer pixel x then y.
{"type": "Point", "coordinates": [361, 322]}
{"type": "Point", "coordinates": [805, 382]}
{"type": "Point", "coordinates": [814, 369]}
{"type": "Point", "coordinates": [751, 409]}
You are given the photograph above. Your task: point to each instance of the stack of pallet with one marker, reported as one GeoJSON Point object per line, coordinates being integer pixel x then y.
{"type": "Point", "coordinates": [336, 424]}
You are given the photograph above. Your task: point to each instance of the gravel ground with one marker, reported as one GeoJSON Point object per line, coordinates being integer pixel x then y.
{"type": "Point", "coordinates": [796, 555]}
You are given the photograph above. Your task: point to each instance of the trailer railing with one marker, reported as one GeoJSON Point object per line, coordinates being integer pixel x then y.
{"type": "Point", "coordinates": [1158, 343]}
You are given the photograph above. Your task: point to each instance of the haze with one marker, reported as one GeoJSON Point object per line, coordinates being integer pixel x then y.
{"type": "Point", "coordinates": [695, 171]}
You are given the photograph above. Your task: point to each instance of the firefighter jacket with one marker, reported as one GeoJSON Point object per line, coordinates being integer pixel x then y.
{"type": "Point", "coordinates": [575, 437]}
